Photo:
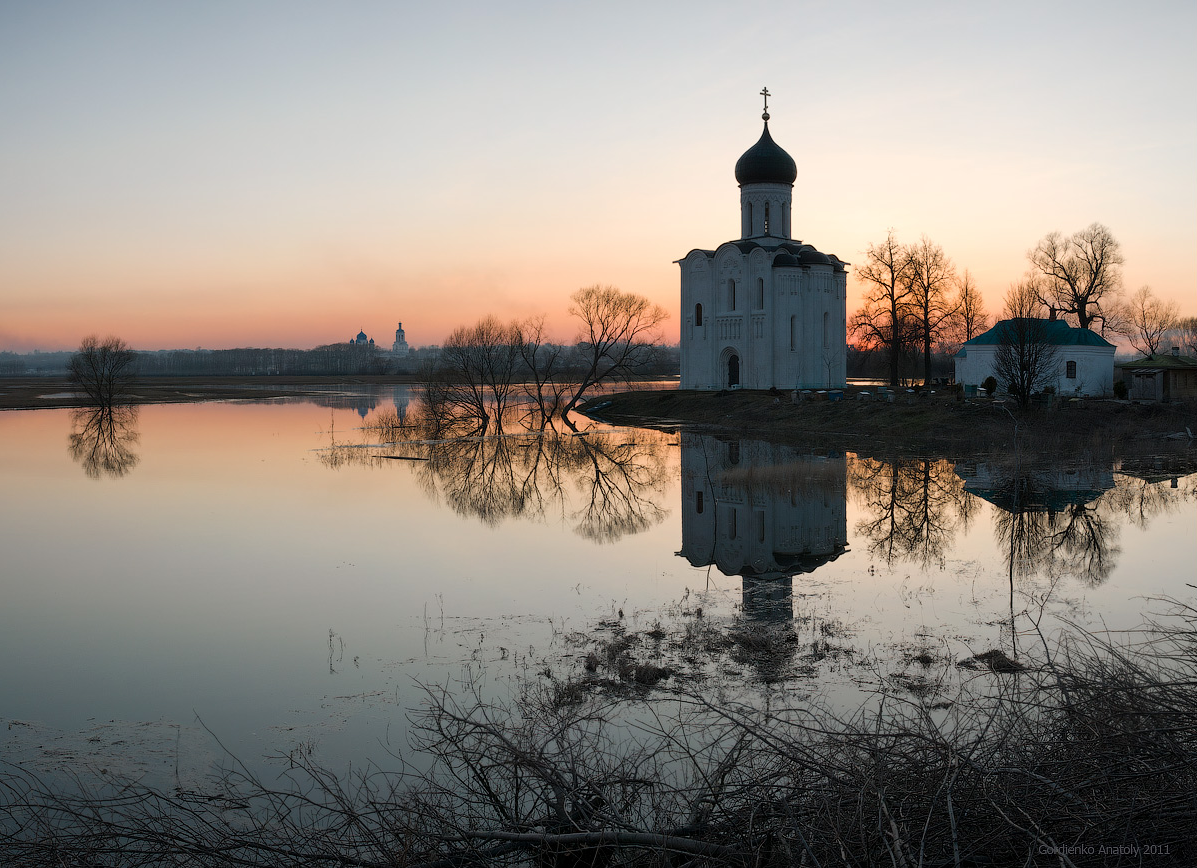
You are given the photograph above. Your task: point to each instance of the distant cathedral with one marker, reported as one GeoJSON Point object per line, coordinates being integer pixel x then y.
{"type": "Point", "coordinates": [398, 348]}
{"type": "Point", "coordinates": [766, 310]}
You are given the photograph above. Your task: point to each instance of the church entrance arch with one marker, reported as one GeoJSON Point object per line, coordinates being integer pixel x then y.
{"type": "Point", "coordinates": [730, 362]}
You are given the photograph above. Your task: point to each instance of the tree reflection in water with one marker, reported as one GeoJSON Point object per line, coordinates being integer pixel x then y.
{"type": "Point", "coordinates": [102, 440]}
{"type": "Point", "coordinates": [1048, 521]}
{"type": "Point", "coordinates": [1148, 486]}
{"type": "Point", "coordinates": [913, 508]}
{"type": "Point", "coordinates": [607, 484]}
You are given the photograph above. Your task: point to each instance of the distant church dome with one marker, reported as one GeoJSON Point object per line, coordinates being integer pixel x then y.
{"type": "Point", "coordinates": [766, 163]}
{"type": "Point", "coordinates": [361, 337]}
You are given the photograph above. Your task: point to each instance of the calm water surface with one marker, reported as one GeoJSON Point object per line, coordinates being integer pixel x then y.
{"type": "Point", "coordinates": [275, 574]}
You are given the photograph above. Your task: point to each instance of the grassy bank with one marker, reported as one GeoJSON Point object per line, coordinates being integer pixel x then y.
{"type": "Point", "coordinates": [938, 423]}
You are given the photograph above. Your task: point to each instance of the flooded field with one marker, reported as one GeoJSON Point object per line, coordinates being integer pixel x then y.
{"type": "Point", "coordinates": [278, 579]}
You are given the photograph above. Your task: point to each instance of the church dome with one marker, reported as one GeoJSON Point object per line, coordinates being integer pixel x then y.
{"type": "Point", "coordinates": [766, 163]}
{"type": "Point", "coordinates": [810, 256]}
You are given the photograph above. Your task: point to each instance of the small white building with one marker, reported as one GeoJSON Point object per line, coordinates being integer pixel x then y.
{"type": "Point", "coordinates": [765, 310]}
{"type": "Point", "coordinates": [1084, 359]}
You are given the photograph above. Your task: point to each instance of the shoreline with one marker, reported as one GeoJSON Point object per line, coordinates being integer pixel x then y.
{"type": "Point", "coordinates": [46, 393]}
{"type": "Point", "coordinates": [909, 426]}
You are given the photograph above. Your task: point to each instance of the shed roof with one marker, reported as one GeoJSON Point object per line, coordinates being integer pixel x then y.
{"type": "Point", "coordinates": [1160, 362]}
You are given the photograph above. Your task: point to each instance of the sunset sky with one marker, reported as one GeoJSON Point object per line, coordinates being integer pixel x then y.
{"type": "Point", "coordinates": [282, 174]}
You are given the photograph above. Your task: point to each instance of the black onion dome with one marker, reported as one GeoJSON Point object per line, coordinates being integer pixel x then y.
{"type": "Point", "coordinates": [810, 256]}
{"type": "Point", "coordinates": [766, 163]}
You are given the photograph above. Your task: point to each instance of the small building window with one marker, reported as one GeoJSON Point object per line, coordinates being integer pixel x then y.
{"type": "Point", "coordinates": [766, 218]}
{"type": "Point", "coordinates": [1070, 370]}
{"type": "Point", "coordinates": [698, 314]}
{"type": "Point", "coordinates": [793, 333]}
{"type": "Point", "coordinates": [760, 293]}
{"type": "Point", "coordinates": [698, 502]}
{"type": "Point", "coordinates": [731, 295]}
{"type": "Point", "coordinates": [731, 524]}
{"type": "Point", "coordinates": [825, 337]}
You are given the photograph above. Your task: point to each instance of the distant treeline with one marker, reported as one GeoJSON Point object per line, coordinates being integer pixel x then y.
{"type": "Point", "coordinates": [327, 361]}
{"type": "Point", "coordinates": [874, 364]}
{"type": "Point", "coordinates": [33, 364]}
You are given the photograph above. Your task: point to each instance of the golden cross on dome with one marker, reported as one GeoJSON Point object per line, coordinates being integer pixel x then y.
{"type": "Point", "coordinates": [765, 94]}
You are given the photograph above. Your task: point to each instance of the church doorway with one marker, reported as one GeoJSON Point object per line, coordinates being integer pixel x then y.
{"type": "Point", "coordinates": [733, 371]}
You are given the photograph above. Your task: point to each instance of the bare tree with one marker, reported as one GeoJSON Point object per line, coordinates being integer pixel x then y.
{"type": "Point", "coordinates": [475, 372]}
{"type": "Point", "coordinates": [618, 336]}
{"type": "Point", "coordinates": [1082, 273]}
{"type": "Point", "coordinates": [1025, 360]}
{"type": "Point", "coordinates": [968, 317]}
{"type": "Point", "coordinates": [1184, 335]}
{"type": "Point", "coordinates": [885, 318]}
{"type": "Point", "coordinates": [970, 308]}
{"type": "Point", "coordinates": [931, 276]}
{"type": "Point", "coordinates": [1148, 320]}
{"type": "Point", "coordinates": [104, 370]}
{"type": "Point", "coordinates": [545, 366]}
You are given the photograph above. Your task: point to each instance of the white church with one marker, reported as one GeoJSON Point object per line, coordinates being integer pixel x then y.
{"type": "Point", "coordinates": [765, 310]}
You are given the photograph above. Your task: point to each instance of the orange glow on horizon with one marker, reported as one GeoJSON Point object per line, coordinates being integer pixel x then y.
{"type": "Point", "coordinates": [288, 198]}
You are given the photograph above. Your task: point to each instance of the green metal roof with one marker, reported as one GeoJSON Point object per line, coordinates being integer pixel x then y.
{"type": "Point", "coordinates": [1055, 331]}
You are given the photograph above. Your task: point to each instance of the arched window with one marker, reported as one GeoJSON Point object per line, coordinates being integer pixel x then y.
{"type": "Point", "coordinates": [766, 218]}
{"type": "Point", "coordinates": [731, 524]}
{"type": "Point", "coordinates": [733, 373]}
{"type": "Point", "coordinates": [731, 294]}
{"type": "Point", "coordinates": [698, 502]}
{"type": "Point", "coordinates": [825, 336]}
{"type": "Point", "coordinates": [793, 333]}
{"type": "Point", "coordinates": [1070, 370]}
{"type": "Point", "coordinates": [760, 293]}
{"type": "Point", "coordinates": [698, 314]}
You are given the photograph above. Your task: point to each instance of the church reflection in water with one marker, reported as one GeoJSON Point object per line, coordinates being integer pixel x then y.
{"type": "Point", "coordinates": [764, 512]}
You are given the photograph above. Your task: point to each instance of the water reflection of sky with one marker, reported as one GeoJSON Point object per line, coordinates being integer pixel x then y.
{"type": "Point", "coordinates": [235, 572]}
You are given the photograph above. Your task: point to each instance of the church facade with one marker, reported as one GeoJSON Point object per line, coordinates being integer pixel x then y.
{"type": "Point", "coordinates": [765, 310]}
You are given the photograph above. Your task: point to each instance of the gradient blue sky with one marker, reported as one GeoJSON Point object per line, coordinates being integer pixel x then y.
{"type": "Point", "coordinates": [284, 173]}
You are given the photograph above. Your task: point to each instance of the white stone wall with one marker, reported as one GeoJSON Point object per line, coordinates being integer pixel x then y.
{"type": "Point", "coordinates": [787, 326]}
{"type": "Point", "coordinates": [759, 200]}
{"type": "Point", "coordinates": [1094, 369]}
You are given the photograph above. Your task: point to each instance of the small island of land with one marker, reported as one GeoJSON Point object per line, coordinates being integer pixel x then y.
{"type": "Point", "coordinates": [913, 423]}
